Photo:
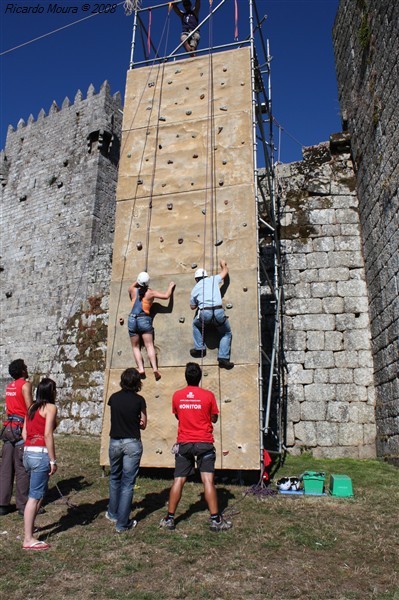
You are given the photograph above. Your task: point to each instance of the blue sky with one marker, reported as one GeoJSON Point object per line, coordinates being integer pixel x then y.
{"type": "Point", "coordinates": [304, 90]}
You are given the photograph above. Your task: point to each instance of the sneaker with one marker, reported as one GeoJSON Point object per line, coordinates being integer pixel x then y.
{"type": "Point", "coordinates": [225, 364]}
{"type": "Point", "coordinates": [221, 525]}
{"type": "Point", "coordinates": [131, 525]}
{"type": "Point", "coordinates": [5, 509]}
{"type": "Point", "coordinates": [197, 353]}
{"type": "Point", "coordinates": [167, 524]}
{"type": "Point", "coordinates": [112, 519]}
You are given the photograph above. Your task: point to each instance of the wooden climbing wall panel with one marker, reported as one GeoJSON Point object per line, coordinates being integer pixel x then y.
{"type": "Point", "coordinates": [186, 199]}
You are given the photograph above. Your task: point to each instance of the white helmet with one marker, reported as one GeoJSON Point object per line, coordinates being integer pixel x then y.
{"type": "Point", "coordinates": [200, 273]}
{"type": "Point", "coordinates": [143, 278]}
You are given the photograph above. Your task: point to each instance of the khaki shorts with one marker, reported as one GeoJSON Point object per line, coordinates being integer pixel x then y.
{"type": "Point", "coordinates": [193, 40]}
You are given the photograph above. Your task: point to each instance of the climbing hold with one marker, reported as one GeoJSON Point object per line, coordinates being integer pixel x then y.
{"type": "Point", "coordinates": [192, 183]}
{"type": "Point", "coordinates": [244, 289]}
{"type": "Point", "coordinates": [164, 185]}
{"type": "Point", "coordinates": [181, 320]}
{"type": "Point", "coordinates": [59, 184]}
{"type": "Point", "coordinates": [195, 155]}
{"type": "Point", "coordinates": [227, 400]}
{"type": "Point", "coordinates": [151, 84]}
{"type": "Point", "coordinates": [201, 74]}
{"type": "Point", "coordinates": [169, 206]}
{"type": "Point", "coordinates": [139, 182]}
{"type": "Point", "coordinates": [193, 136]}
{"type": "Point", "coordinates": [121, 320]}
{"type": "Point", "coordinates": [221, 182]}
{"type": "Point", "coordinates": [194, 265]}
{"type": "Point", "coordinates": [243, 142]}
{"type": "Point", "coordinates": [202, 96]}
{"type": "Point", "coordinates": [170, 162]}
{"type": "Point", "coordinates": [178, 71]}
{"type": "Point", "coordinates": [204, 211]}
{"type": "Point", "coordinates": [160, 146]}
{"type": "Point", "coordinates": [223, 108]}
{"type": "Point", "coordinates": [148, 108]}
{"type": "Point", "coordinates": [160, 238]}
{"type": "Point", "coordinates": [218, 242]}
{"type": "Point", "coordinates": [158, 451]}
{"type": "Point", "coordinates": [129, 155]}
{"type": "Point", "coordinates": [222, 83]}
{"type": "Point", "coordinates": [169, 82]}
{"type": "Point", "coordinates": [189, 112]}
{"type": "Point", "coordinates": [137, 225]}
{"type": "Point", "coordinates": [162, 119]}
{"type": "Point", "coordinates": [139, 246]}
{"type": "Point", "coordinates": [225, 452]}
{"type": "Point", "coordinates": [180, 240]}
{"type": "Point", "coordinates": [242, 82]}
{"type": "Point", "coordinates": [226, 201]}
{"type": "Point", "coordinates": [147, 132]}
{"type": "Point", "coordinates": [224, 69]}
{"type": "Point", "coordinates": [187, 88]}
{"type": "Point", "coordinates": [8, 294]}
{"type": "Point", "coordinates": [119, 352]}
{"type": "Point", "coordinates": [229, 305]}
{"type": "Point", "coordinates": [220, 129]}
{"type": "Point", "coordinates": [225, 162]}
{"type": "Point", "coordinates": [244, 224]}
{"type": "Point", "coordinates": [177, 135]}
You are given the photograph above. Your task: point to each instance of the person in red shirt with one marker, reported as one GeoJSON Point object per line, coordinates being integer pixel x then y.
{"type": "Point", "coordinates": [18, 400]}
{"type": "Point", "coordinates": [196, 410]}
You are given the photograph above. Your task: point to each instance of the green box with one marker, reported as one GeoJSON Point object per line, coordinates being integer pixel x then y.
{"type": "Point", "coordinates": [313, 482]}
{"type": "Point", "coordinates": [341, 486]}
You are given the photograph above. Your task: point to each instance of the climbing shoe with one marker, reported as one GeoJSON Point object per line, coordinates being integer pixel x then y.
{"type": "Point", "coordinates": [225, 364]}
{"type": "Point", "coordinates": [197, 353]}
{"type": "Point", "coordinates": [221, 525]}
{"type": "Point", "coordinates": [167, 524]}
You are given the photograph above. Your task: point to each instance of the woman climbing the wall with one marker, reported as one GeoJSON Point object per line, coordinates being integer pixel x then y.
{"type": "Point", "coordinates": [140, 320]}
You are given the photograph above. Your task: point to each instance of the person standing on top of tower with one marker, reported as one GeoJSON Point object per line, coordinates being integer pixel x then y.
{"type": "Point", "coordinates": [190, 19]}
{"type": "Point", "coordinates": [140, 320]}
{"type": "Point", "coordinates": [206, 298]}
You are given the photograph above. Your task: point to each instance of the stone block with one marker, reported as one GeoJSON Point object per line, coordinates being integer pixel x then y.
{"type": "Point", "coordinates": [350, 434]}
{"type": "Point", "coordinates": [294, 412]}
{"type": "Point", "coordinates": [297, 374]}
{"type": "Point", "coordinates": [352, 288]}
{"type": "Point", "coordinates": [345, 259]}
{"type": "Point", "coordinates": [336, 452]}
{"type": "Point", "coordinates": [316, 360]}
{"type": "Point", "coordinates": [309, 275]}
{"type": "Point", "coordinates": [346, 215]}
{"type": "Point", "coordinates": [313, 411]}
{"type": "Point", "coordinates": [333, 306]}
{"type": "Point", "coordinates": [302, 290]}
{"type": "Point", "coordinates": [295, 356]}
{"type": "Point", "coordinates": [346, 242]}
{"type": "Point", "coordinates": [303, 306]}
{"type": "Point", "coordinates": [338, 412]}
{"type": "Point", "coordinates": [295, 394]}
{"type": "Point", "coordinates": [296, 261]}
{"type": "Point", "coordinates": [323, 289]}
{"type": "Point", "coordinates": [333, 340]}
{"type": "Point", "coordinates": [365, 359]}
{"type": "Point", "coordinates": [350, 392]}
{"type": "Point", "coordinates": [315, 340]}
{"type": "Point", "coordinates": [305, 433]}
{"type": "Point", "coordinates": [355, 305]}
{"type": "Point", "coordinates": [317, 260]}
{"type": "Point", "coordinates": [327, 434]}
{"type": "Point", "coordinates": [317, 392]}
{"type": "Point", "coordinates": [321, 376]}
{"type": "Point", "coordinates": [295, 340]}
{"type": "Point", "coordinates": [323, 244]}
{"type": "Point", "coordinates": [314, 322]}
{"type": "Point", "coordinates": [356, 339]}
{"type": "Point", "coordinates": [360, 412]}
{"type": "Point", "coordinates": [325, 216]}
{"type": "Point", "coordinates": [347, 359]}
{"type": "Point", "coordinates": [350, 229]}
{"type": "Point", "coordinates": [363, 376]}
{"type": "Point", "coordinates": [368, 451]}
{"type": "Point", "coordinates": [334, 274]}
{"type": "Point", "coordinates": [341, 376]}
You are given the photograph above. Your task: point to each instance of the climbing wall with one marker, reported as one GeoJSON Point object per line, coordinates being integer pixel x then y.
{"type": "Point", "coordinates": [186, 199]}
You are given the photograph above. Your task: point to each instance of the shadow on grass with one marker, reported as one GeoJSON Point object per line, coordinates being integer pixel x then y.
{"type": "Point", "coordinates": [151, 503]}
{"type": "Point", "coordinates": [77, 516]}
{"type": "Point", "coordinates": [62, 489]}
{"type": "Point", "coordinates": [224, 495]}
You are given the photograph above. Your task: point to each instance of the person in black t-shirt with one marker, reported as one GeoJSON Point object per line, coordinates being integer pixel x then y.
{"type": "Point", "coordinates": [190, 20]}
{"type": "Point", "coordinates": [128, 417]}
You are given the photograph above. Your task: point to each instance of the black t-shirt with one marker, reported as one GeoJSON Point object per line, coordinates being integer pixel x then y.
{"type": "Point", "coordinates": [126, 408]}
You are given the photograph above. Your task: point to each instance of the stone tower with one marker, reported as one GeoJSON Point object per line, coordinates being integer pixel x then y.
{"type": "Point", "coordinates": [58, 179]}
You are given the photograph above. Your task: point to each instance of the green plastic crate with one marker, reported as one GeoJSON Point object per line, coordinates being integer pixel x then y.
{"type": "Point", "coordinates": [341, 486]}
{"type": "Point", "coordinates": [313, 482]}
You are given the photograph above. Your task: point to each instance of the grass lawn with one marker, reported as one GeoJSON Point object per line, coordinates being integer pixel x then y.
{"type": "Point", "coordinates": [280, 547]}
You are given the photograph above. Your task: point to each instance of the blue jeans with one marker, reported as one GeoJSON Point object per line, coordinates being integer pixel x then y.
{"type": "Point", "coordinates": [38, 465]}
{"type": "Point", "coordinates": [213, 318]}
{"type": "Point", "coordinates": [137, 325]}
{"type": "Point", "coordinates": [124, 458]}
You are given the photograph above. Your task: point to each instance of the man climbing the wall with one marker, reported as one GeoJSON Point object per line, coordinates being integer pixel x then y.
{"type": "Point", "coordinates": [196, 410]}
{"type": "Point", "coordinates": [18, 400]}
{"type": "Point", "coordinates": [207, 299]}
{"type": "Point", "coordinates": [190, 19]}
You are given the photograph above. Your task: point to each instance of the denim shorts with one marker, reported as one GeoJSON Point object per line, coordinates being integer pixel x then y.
{"type": "Point", "coordinates": [138, 324]}
{"type": "Point", "coordinates": [37, 464]}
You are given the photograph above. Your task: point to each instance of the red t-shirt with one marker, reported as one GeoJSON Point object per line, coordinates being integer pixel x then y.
{"type": "Point", "coordinates": [15, 403]}
{"type": "Point", "coordinates": [194, 407]}
{"type": "Point", "coordinates": [35, 430]}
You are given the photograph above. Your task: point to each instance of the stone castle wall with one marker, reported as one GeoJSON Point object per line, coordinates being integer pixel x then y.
{"type": "Point", "coordinates": [58, 179]}
{"type": "Point", "coordinates": [366, 41]}
{"type": "Point", "coordinates": [331, 401]}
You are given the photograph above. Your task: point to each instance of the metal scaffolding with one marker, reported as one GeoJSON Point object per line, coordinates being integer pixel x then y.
{"type": "Point", "coordinates": [272, 387]}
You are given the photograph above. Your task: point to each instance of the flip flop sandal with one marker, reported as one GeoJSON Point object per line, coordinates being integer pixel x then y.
{"type": "Point", "coordinates": [37, 546]}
